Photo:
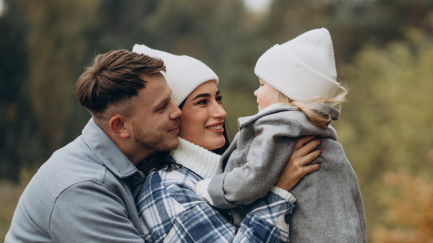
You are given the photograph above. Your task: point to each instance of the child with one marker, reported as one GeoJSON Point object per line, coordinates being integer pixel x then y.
{"type": "Point", "coordinates": [297, 88]}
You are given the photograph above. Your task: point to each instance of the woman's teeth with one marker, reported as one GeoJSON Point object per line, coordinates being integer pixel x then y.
{"type": "Point", "coordinates": [219, 127]}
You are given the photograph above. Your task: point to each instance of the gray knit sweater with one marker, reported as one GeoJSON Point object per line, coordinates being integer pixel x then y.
{"type": "Point", "coordinates": [329, 202]}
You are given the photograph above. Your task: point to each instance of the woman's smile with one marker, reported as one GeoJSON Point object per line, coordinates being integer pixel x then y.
{"type": "Point", "coordinates": [203, 116]}
{"type": "Point", "coordinates": [216, 127]}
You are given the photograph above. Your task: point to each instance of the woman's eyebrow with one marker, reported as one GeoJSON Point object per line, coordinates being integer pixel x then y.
{"type": "Point", "coordinates": [217, 93]}
{"type": "Point", "coordinates": [201, 95]}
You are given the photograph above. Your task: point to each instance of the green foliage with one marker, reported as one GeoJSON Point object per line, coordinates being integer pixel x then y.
{"type": "Point", "coordinates": [20, 140]}
{"type": "Point", "coordinates": [352, 23]}
{"type": "Point", "coordinates": [383, 49]}
{"type": "Point", "coordinates": [387, 122]}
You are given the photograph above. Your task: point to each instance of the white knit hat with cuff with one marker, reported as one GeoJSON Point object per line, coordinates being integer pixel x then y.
{"type": "Point", "coordinates": [184, 73]}
{"type": "Point", "coordinates": [302, 68]}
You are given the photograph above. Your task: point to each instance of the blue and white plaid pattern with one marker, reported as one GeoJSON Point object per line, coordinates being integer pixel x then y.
{"type": "Point", "coordinates": [170, 211]}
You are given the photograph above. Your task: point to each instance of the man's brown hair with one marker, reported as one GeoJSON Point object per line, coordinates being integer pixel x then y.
{"type": "Point", "coordinates": [114, 77]}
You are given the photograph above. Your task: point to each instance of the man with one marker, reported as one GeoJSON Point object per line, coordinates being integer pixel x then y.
{"type": "Point", "coordinates": [85, 191]}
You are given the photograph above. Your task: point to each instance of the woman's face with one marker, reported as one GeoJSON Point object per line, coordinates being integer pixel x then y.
{"type": "Point", "coordinates": [203, 117]}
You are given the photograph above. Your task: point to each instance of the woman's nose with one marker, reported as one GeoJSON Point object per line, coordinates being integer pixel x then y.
{"type": "Point", "coordinates": [219, 112]}
{"type": "Point", "coordinates": [255, 92]}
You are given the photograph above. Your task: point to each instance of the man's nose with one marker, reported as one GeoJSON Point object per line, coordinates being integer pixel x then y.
{"type": "Point", "coordinates": [176, 112]}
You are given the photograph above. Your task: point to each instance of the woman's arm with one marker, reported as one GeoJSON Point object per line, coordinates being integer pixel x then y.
{"type": "Point", "coordinates": [296, 168]}
{"type": "Point", "coordinates": [170, 211]}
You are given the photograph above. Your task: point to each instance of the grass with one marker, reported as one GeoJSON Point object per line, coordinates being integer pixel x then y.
{"type": "Point", "coordinates": [10, 194]}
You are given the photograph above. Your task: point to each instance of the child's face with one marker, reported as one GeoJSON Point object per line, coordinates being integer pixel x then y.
{"type": "Point", "coordinates": [266, 95]}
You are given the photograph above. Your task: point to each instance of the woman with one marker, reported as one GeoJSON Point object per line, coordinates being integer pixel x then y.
{"type": "Point", "coordinates": [168, 205]}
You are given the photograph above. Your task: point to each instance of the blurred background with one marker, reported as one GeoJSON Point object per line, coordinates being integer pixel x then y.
{"type": "Point", "coordinates": [383, 50]}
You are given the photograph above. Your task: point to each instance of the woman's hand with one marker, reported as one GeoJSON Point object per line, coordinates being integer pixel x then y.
{"type": "Point", "coordinates": [297, 167]}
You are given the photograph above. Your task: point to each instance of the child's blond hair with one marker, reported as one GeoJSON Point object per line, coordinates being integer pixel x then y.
{"type": "Point", "coordinates": [318, 118]}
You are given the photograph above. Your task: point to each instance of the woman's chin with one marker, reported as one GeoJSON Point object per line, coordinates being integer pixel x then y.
{"type": "Point", "coordinates": [214, 143]}
{"type": "Point", "coordinates": [208, 140]}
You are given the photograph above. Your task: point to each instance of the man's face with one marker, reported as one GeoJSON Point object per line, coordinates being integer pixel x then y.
{"type": "Point", "coordinates": [155, 121]}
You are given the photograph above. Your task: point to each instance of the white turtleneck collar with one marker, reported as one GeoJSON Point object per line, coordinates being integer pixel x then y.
{"type": "Point", "coordinates": [198, 159]}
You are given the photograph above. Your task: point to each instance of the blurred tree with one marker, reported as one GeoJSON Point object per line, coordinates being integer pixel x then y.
{"type": "Point", "coordinates": [20, 140]}
{"type": "Point", "coordinates": [213, 32]}
{"type": "Point", "coordinates": [57, 48]}
{"type": "Point", "coordinates": [409, 218]}
{"type": "Point", "coordinates": [386, 123]}
{"type": "Point", "coordinates": [352, 23]}
{"type": "Point", "coordinates": [61, 36]}
{"type": "Point", "coordinates": [375, 22]}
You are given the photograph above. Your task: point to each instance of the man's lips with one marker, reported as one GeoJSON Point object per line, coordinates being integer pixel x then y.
{"type": "Point", "coordinates": [174, 130]}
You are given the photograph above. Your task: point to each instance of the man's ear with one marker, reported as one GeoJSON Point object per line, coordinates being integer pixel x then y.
{"type": "Point", "coordinates": [117, 125]}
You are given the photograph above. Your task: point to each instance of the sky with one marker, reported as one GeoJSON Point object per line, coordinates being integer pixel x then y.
{"type": "Point", "coordinates": [253, 5]}
{"type": "Point", "coordinates": [257, 5]}
{"type": "Point", "coordinates": [1, 7]}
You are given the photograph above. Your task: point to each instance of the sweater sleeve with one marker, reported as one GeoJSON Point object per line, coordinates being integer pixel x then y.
{"type": "Point", "coordinates": [77, 218]}
{"type": "Point", "coordinates": [267, 155]}
{"type": "Point", "coordinates": [202, 192]}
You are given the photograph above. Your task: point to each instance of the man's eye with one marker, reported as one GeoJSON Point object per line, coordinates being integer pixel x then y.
{"type": "Point", "coordinates": [162, 108]}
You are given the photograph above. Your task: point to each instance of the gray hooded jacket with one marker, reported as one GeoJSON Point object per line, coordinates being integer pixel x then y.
{"type": "Point", "coordinates": [329, 202]}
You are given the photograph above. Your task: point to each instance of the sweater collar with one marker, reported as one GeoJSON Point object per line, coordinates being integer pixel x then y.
{"type": "Point", "coordinates": [108, 152]}
{"type": "Point", "coordinates": [198, 159]}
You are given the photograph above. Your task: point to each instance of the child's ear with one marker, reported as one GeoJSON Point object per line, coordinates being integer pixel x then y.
{"type": "Point", "coordinates": [118, 126]}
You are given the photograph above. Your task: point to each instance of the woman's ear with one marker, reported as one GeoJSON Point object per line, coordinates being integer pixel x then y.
{"type": "Point", "coordinates": [117, 125]}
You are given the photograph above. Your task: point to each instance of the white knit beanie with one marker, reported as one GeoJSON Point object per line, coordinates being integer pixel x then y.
{"type": "Point", "coordinates": [302, 68]}
{"type": "Point", "coordinates": [184, 73]}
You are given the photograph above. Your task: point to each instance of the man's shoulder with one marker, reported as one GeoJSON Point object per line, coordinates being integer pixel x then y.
{"type": "Point", "coordinates": [59, 175]}
{"type": "Point", "coordinates": [72, 164]}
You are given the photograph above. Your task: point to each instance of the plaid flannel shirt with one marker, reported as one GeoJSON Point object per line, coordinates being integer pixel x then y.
{"type": "Point", "coordinates": [170, 211]}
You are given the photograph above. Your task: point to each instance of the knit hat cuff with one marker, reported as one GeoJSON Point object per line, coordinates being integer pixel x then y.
{"type": "Point", "coordinates": [185, 74]}
{"type": "Point", "coordinates": [291, 77]}
{"type": "Point", "coordinates": [304, 83]}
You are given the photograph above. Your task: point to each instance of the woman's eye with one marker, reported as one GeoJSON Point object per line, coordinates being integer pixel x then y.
{"type": "Point", "coordinates": [219, 99]}
{"type": "Point", "coordinates": [202, 102]}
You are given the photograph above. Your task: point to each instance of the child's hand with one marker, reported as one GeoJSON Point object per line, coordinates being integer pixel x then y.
{"type": "Point", "coordinates": [296, 167]}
